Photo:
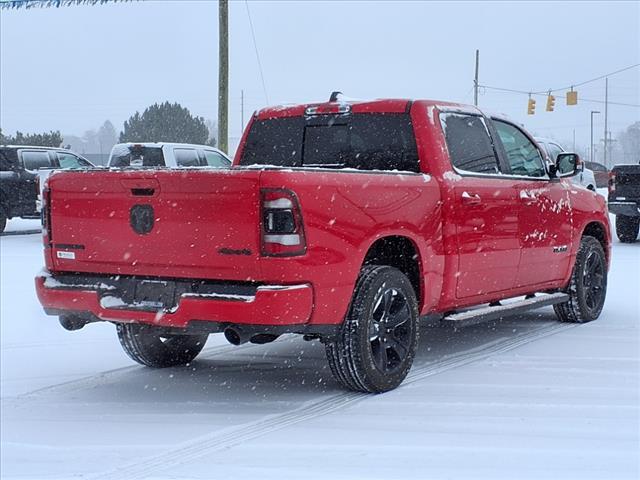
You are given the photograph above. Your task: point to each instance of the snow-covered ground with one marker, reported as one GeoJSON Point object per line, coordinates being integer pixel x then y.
{"type": "Point", "coordinates": [525, 398]}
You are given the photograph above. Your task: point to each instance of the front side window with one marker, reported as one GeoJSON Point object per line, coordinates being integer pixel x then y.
{"type": "Point", "coordinates": [214, 159]}
{"type": "Point", "coordinates": [469, 144]}
{"type": "Point", "coordinates": [35, 160]}
{"type": "Point", "coordinates": [68, 160]}
{"type": "Point", "coordinates": [363, 141]}
{"type": "Point", "coordinates": [523, 156]}
{"type": "Point", "coordinates": [186, 157]}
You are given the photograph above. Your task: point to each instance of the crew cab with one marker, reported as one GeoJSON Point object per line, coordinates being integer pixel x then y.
{"type": "Point", "coordinates": [624, 201]}
{"type": "Point", "coordinates": [342, 221]}
{"type": "Point", "coordinates": [23, 170]}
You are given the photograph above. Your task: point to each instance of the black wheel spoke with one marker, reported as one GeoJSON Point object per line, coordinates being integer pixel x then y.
{"type": "Point", "coordinates": [379, 350]}
{"type": "Point", "coordinates": [398, 317]}
{"type": "Point", "coordinates": [389, 330]}
{"type": "Point", "coordinates": [387, 300]}
{"type": "Point", "coordinates": [398, 346]}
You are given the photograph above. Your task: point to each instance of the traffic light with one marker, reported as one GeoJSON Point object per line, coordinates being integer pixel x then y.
{"type": "Point", "coordinates": [551, 102]}
{"type": "Point", "coordinates": [572, 97]}
{"type": "Point", "coordinates": [531, 107]}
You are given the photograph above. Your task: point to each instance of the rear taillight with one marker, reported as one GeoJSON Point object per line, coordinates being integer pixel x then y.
{"type": "Point", "coordinates": [46, 214]}
{"type": "Point", "coordinates": [612, 183]}
{"type": "Point", "coordinates": [282, 230]}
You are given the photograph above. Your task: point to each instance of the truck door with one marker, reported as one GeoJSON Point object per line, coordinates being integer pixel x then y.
{"type": "Point", "coordinates": [483, 209]}
{"type": "Point", "coordinates": [544, 210]}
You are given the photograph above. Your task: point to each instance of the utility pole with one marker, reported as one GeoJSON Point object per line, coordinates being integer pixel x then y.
{"type": "Point", "coordinates": [591, 144]}
{"type": "Point", "coordinates": [241, 111]}
{"type": "Point", "coordinates": [223, 75]}
{"type": "Point", "coordinates": [475, 81]}
{"type": "Point", "coordinates": [606, 115]}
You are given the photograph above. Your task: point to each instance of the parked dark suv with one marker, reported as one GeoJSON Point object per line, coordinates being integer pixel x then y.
{"type": "Point", "coordinates": [22, 169]}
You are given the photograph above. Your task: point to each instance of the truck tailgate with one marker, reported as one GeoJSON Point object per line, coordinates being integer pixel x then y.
{"type": "Point", "coordinates": [181, 224]}
{"type": "Point", "coordinates": [627, 181]}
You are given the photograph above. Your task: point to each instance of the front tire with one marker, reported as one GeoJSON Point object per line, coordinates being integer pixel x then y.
{"type": "Point", "coordinates": [627, 228]}
{"type": "Point", "coordinates": [587, 288]}
{"type": "Point", "coordinates": [375, 347]}
{"type": "Point", "coordinates": [148, 347]}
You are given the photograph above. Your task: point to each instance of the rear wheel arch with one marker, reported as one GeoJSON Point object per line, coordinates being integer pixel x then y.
{"type": "Point", "coordinates": [599, 232]}
{"type": "Point", "coordinates": [400, 252]}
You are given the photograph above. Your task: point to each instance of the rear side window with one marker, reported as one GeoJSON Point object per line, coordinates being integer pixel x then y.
{"type": "Point", "coordinates": [372, 141]}
{"type": "Point", "coordinates": [36, 160]}
{"type": "Point", "coordinates": [186, 157]}
{"type": "Point", "coordinates": [136, 156]}
{"type": "Point", "coordinates": [470, 146]}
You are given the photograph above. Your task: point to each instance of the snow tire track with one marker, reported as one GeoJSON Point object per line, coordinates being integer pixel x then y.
{"type": "Point", "coordinates": [106, 376]}
{"type": "Point", "coordinates": [206, 445]}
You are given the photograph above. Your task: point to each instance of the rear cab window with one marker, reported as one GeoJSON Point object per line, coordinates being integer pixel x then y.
{"type": "Point", "coordinates": [362, 141]}
{"type": "Point", "coordinates": [136, 156]}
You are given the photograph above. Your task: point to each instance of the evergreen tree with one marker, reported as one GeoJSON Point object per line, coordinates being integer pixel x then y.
{"type": "Point", "coordinates": [107, 137]}
{"type": "Point", "coordinates": [166, 122]}
{"type": "Point", "coordinates": [50, 139]}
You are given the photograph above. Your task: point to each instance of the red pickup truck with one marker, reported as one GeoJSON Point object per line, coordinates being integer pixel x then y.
{"type": "Point", "coordinates": [342, 221]}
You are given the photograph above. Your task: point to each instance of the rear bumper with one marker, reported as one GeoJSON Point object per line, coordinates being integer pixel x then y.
{"type": "Point", "coordinates": [268, 305]}
{"type": "Point", "coordinates": [629, 208]}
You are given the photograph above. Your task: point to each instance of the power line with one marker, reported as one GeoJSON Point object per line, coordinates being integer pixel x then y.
{"type": "Point", "coordinates": [546, 92]}
{"type": "Point", "coordinates": [255, 46]}
{"type": "Point", "coordinates": [593, 79]}
{"type": "Point", "coordinates": [510, 90]}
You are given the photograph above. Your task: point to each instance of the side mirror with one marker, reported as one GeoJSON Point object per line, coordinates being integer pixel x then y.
{"type": "Point", "coordinates": [567, 165]}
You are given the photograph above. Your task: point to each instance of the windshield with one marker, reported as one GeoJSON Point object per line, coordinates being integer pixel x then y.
{"type": "Point", "coordinates": [136, 156]}
{"type": "Point", "coordinates": [369, 141]}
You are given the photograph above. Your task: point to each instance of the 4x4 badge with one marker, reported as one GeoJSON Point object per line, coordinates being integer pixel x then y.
{"type": "Point", "coordinates": [142, 218]}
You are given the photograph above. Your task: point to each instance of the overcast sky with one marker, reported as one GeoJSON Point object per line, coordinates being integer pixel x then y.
{"type": "Point", "coordinates": [71, 68]}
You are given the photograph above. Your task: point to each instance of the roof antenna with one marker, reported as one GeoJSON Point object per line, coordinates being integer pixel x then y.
{"type": "Point", "coordinates": [334, 96]}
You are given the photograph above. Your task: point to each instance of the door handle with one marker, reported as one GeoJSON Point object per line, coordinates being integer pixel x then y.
{"type": "Point", "coordinates": [471, 199]}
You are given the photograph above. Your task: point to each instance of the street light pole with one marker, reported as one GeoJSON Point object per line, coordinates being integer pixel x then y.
{"type": "Point", "coordinates": [591, 144]}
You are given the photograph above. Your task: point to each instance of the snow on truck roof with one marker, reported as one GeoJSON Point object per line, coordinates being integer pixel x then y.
{"type": "Point", "coordinates": [162, 144]}
{"type": "Point", "coordinates": [391, 105]}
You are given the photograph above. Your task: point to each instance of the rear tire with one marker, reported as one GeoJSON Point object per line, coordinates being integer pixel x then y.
{"type": "Point", "coordinates": [587, 288]}
{"type": "Point", "coordinates": [627, 228]}
{"type": "Point", "coordinates": [376, 344]}
{"type": "Point", "coordinates": [147, 346]}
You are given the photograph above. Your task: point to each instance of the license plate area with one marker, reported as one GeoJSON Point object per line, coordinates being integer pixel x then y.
{"type": "Point", "coordinates": [155, 294]}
